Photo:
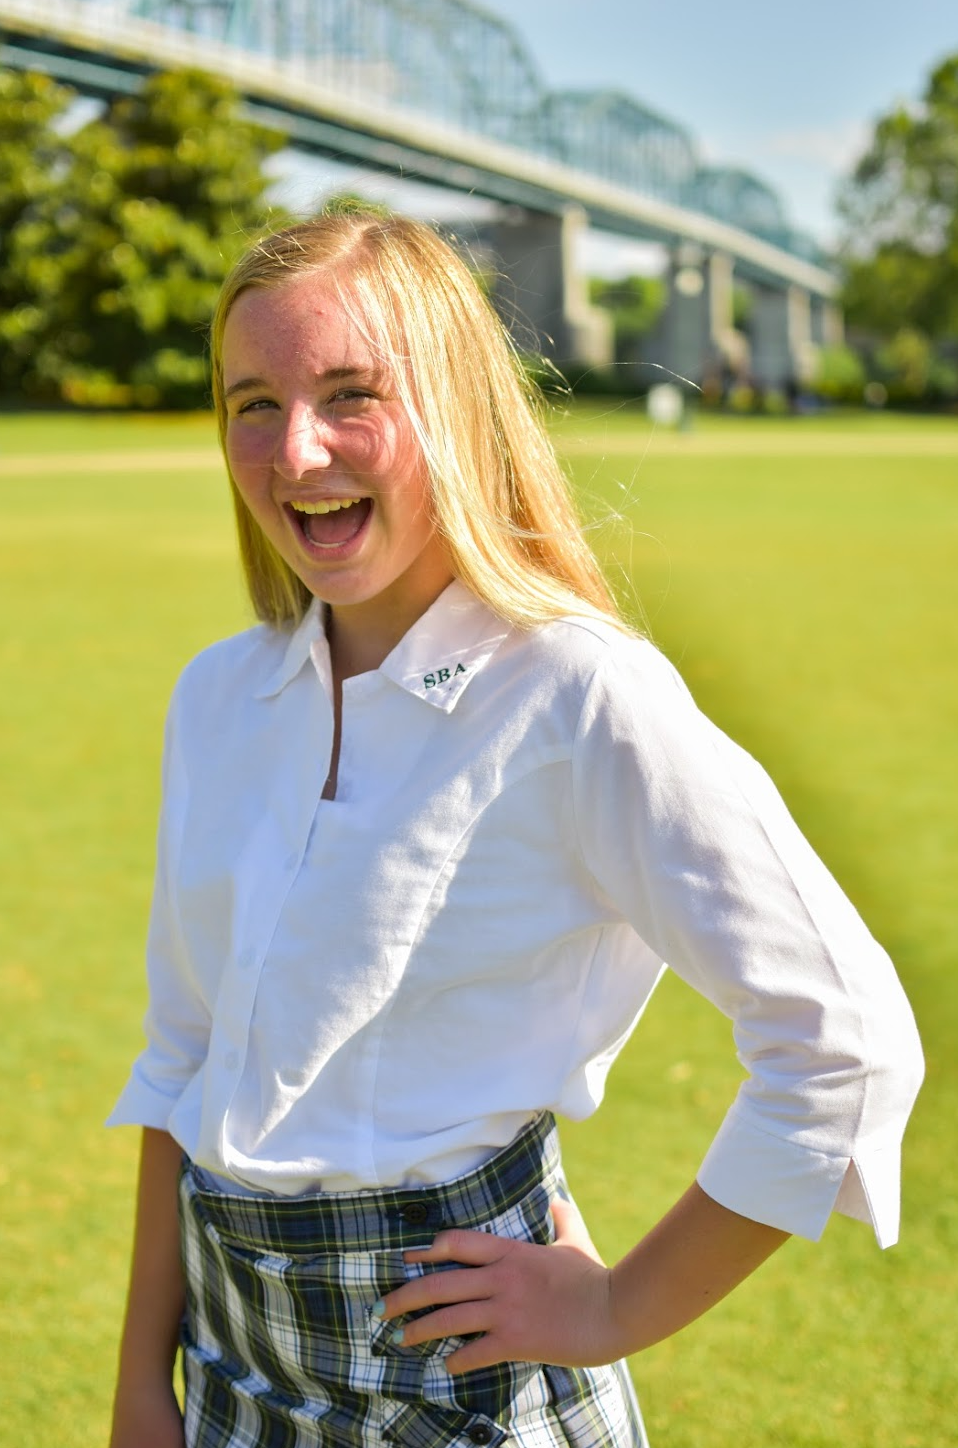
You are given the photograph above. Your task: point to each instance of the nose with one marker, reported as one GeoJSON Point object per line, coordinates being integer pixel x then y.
{"type": "Point", "coordinates": [304, 445]}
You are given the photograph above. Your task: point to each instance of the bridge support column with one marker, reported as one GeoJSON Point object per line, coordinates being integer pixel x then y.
{"type": "Point", "coordinates": [695, 336]}
{"type": "Point", "coordinates": [782, 337]}
{"type": "Point", "coordinates": [543, 299]}
{"type": "Point", "coordinates": [828, 323]}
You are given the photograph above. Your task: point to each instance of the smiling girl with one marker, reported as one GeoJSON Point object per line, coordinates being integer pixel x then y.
{"type": "Point", "coordinates": [429, 834]}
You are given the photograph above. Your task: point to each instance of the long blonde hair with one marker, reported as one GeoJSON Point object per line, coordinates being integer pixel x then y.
{"type": "Point", "coordinates": [500, 501]}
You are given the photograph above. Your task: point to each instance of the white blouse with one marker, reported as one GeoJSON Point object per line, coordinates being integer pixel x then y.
{"type": "Point", "coordinates": [381, 989]}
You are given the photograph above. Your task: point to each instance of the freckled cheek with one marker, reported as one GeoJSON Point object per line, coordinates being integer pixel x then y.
{"type": "Point", "coordinates": [249, 449]}
{"type": "Point", "coordinates": [252, 471]}
{"type": "Point", "coordinates": [362, 448]}
{"type": "Point", "coordinates": [379, 446]}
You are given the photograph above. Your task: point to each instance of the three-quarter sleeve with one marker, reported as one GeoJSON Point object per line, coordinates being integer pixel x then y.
{"type": "Point", "coordinates": [688, 838]}
{"type": "Point", "coordinates": [177, 1022]}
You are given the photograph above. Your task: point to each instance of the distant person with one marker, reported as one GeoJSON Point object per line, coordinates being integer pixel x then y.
{"type": "Point", "coordinates": [428, 835]}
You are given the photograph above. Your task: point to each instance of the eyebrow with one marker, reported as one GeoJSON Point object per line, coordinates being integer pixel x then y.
{"type": "Point", "coordinates": [335, 374]}
{"type": "Point", "coordinates": [244, 385]}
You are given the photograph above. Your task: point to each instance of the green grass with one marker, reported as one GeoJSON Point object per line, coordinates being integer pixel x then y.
{"type": "Point", "coordinates": [808, 594]}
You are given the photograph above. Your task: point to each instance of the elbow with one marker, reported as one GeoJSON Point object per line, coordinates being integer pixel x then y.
{"type": "Point", "coordinates": [908, 1058]}
{"type": "Point", "coordinates": [913, 1067]}
{"type": "Point", "coordinates": [894, 1075]}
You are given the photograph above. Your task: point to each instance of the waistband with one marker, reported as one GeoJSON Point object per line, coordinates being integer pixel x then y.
{"type": "Point", "coordinates": [390, 1219]}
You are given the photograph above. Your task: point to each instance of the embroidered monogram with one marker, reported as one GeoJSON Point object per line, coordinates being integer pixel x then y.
{"type": "Point", "coordinates": [442, 676]}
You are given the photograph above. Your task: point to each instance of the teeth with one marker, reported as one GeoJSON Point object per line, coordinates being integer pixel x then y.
{"type": "Point", "coordinates": [333, 506]}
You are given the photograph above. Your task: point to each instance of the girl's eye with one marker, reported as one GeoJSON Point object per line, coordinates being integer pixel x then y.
{"type": "Point", "coordinates": [255, 404]}
{"type": "Point", "coordinates": [352, 395]}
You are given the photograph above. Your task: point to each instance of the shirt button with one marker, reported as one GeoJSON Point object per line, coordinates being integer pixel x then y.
{"type": "Point", "coordinates": [479, 1433]}
{"type": "Point", "coordinates": [246, 958]}
{"type": "Point", "coordinates": [231, 1060]}
{"type": "Point", "coordinates": [290, 862]}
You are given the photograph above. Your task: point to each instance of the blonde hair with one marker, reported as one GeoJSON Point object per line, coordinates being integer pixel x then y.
{"type": "Point", "coordinates": [500, 501]}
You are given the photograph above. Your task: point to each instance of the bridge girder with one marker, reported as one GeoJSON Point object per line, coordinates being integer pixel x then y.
{"type": "Point", "coordinates": [317, 68]}
{"type": "Point", "coordinates": [457, 62]}
{"type": "Point", "coordinates": [447, 58]}
{"type": "Point", "coordinates": [613, 135]}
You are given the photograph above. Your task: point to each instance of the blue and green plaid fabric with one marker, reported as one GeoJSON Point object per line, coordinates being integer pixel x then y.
{"type": "Point", "coordinates": [281, 1349]}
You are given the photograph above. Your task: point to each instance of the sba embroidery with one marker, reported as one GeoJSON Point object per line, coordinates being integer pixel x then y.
{"type": "Point", "coordinates": [442, 676]}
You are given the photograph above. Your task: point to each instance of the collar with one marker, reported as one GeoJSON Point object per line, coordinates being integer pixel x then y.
{"type": "Point", "coordinates": [435, 660]}
{"type": "Point", "coordinates": [309, 632]}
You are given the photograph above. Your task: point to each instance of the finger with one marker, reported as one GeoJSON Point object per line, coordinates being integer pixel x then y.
{"type": "Point", "coordinates": [434, 1289]}
{"type": "Point", "coordinates": [473, 1249]}
{"type": "Point", "coordinates": [570, 1228]}
{"type": "Point", "coordinates": [461, 1320]}
{"type": "Point", "coordinates": [482, 1352]}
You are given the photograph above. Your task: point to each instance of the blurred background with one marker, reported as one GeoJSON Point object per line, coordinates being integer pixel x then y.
{"type": "Point", "coordinates": [758, 202]}
{"type": "Point", "coordinates": [726, 240]}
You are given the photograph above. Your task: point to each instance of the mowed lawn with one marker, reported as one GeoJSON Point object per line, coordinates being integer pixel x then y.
{"type": "Point", "coordinates": [802, 574]}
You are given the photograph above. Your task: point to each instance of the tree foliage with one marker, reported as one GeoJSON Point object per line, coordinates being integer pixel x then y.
{"type": "Point", "coordinates": [116, 264]}
{"type": "Point", "coordinates": [839, 374]}
{"type": "Point", "coordinates": [635, 302]}
{"type": "Point", "coordinates": [32, 155]}
{"type": "Point", "coordinates": [900, 210]}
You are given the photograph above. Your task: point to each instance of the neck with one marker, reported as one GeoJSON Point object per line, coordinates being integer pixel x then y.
{"type": "Point", "coordinates": [362, 635]}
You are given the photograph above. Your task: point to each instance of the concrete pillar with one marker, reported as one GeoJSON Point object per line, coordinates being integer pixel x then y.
{"type": "Point", "coordinates": [695, 336]}
{"type": "Point", "coordinates": [804, 351]}
{"type": "Point", "coordinates": [719, 281]}
{"type": "Point", "coordinates": [782, 329]}
{"type": "Point", "coordinates": [729, 348]}
{"type": "Point", "coordinates": [772, 364]}
{"type": "Point", "coordinates": [541, 297]}
{"type": "Point", "coordinates": [828, 323]}
{"type": "Point", "coordinates": [768, 331]}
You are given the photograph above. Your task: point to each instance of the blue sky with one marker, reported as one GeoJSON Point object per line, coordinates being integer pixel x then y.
{"type": "Point", "coordinates": [787, 90]}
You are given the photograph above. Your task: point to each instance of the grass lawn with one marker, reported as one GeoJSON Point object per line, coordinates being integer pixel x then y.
{"type": "Point", "coordinates": [802, 575]}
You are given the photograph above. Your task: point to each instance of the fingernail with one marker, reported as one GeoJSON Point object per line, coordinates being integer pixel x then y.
{"type": "Point", "coordinates": [397, 1337]}
{"type": "Point", "coordinates": [378, 1308]}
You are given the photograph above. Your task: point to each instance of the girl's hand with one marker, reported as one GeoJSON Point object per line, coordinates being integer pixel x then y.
{"type": "Point", "coordinates": [530, 1303]}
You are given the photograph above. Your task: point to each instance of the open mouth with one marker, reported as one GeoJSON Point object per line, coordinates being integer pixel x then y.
{"type": "Point", "coordinates": [332, 522]}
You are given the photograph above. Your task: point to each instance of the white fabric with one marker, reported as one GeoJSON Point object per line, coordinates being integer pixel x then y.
{"type": "Point", "coordinates": [382, 988]}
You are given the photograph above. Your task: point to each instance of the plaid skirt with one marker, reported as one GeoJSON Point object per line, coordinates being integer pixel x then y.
{"type": "Point", "coordinates": [281, 1350]}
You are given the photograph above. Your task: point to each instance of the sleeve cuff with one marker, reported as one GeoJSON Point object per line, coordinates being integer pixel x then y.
{"type": "Point", "coordinates": [791, 1186]}
{"type": "Point", "coordinates": [142, 1104]}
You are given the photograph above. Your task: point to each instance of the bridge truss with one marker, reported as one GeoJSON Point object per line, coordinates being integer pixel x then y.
{"type": "Point", "coordinates": [456, 63]}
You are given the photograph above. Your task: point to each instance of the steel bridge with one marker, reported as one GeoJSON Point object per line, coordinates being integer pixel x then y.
{"type": "Point", "coordinates": [445, 91]}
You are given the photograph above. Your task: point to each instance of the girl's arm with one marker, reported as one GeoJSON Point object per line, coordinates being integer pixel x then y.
{"type": "Point", "coordinates": [146, 1413]}
{"type": "Point", "coordinates": [559, 1304]}
{"type": "Point", "coordinates": [692, 1259]}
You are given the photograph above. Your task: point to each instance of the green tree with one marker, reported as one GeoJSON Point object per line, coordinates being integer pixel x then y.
{"type": "Point", "coordinates": [900, 211]}
{"type": "Point", "coordinates": [913, 370]}
{"type": "Point", "coordinates": [119, 264]}
{"type": "Point", "coordinates": [32, 156]}
{"type": "Point", "coordinates": [839, 375]}
{"type": "Point", "coordinates": [635, 303]}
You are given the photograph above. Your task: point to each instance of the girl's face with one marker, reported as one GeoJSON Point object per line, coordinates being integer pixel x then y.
{"type": "Point", "coordinates": [324, 456]}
